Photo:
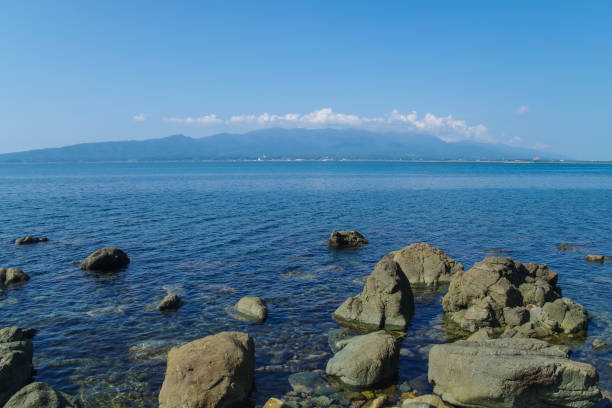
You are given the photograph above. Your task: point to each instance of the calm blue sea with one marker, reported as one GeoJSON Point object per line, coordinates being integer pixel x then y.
{"type": "Point", "coordinates": [214, 232]}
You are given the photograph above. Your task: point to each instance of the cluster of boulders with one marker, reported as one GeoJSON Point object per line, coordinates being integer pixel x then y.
{"type": "Point", "coordinates": [497, 297]}
{"type": "Point", "coordinates": [16, 389]}
{"type": "Point", "coordinates": [512, 298]}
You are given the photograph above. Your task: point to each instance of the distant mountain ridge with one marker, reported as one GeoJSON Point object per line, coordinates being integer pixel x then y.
{"type": "Point", "coordinates": [309, 144]}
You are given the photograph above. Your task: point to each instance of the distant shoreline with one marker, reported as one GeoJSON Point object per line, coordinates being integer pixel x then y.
{"type": "Point", "coordinates": [315, 161]}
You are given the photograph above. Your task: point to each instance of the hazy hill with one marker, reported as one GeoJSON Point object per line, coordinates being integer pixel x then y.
{"type": "Point", "coordinates": [280, 144]}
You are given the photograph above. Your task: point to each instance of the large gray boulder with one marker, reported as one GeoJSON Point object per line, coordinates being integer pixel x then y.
{"type": "Point", "coordinates": [40, 395]}
{"type": "Point", "coordinates": [15, 362]}
{"type": "Point", "coordinates": [106, 260]}
{"type": "Point", "coordinates": [213, 372]}
{"type": "Point", "coordinates": [425, 265]}
{"type": "Point", "coordinates": [346, 239]}
{"type": "Point", "coordinates": [12, 276]}
{"type": "Point", "coordinates": [365, 360]}
{"type": "Point", "coordinates": [511, 373]}
{"type": "Point", "coordinates": [385, 302]}
{"type": "Point", "coordinates": [28, 239]}
{"type": "Point", "coordinates": [502, 293]}
{"type": "Point", "coordinates": [253, 308]}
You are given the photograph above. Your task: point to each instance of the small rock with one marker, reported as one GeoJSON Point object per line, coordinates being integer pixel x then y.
{"type": "Point", "coordinates": [346, 239]}
{"type": "Point", "coordinates": [599, 345]}
{"type": "Point", "coordinates": [12, 276]}
{"type": "Point", "coordinates": [377, 403]}
{"type": "Point", "coordinates": [596, 258]}
{"type": "Point", "coordinates": [106, 260]}
{"type": "Point", "coordinates": [253, 308]}
{"type": "Point", "coordinates": [275, 403]}
{"type": "Point", "coordinates": [564, 246]}
{"type": "Point", "coordinates": [429, 401]}
{"type": "Point", "coordinates": [170, 303]}
{"type": "Point", "coordinates": [29, 240]}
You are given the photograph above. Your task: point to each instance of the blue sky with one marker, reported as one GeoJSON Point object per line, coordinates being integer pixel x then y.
{"type": "Point", "coordinates": [533, 74]}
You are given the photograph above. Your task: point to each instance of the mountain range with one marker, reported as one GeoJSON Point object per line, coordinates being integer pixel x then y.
{"type": "Point", "coordinates": [309, 144]}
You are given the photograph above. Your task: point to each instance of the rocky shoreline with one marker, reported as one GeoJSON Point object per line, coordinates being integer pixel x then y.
{"type": "Point", "coordinates": [504, 310]}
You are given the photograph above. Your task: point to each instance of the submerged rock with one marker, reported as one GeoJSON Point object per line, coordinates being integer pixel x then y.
{"type": "Point", "coordinates": [170, 303]}
{"type": "Point", "coordinates": [309, 383]}
{"type": "Point", "coordinates": [213, 372]}
{"type": "Point", "coordinates": [12, 276]}
{"type": "Point", "coordinates": [29, 240]}
{"type": "Point", "coordinates": [253, 308]}
{"type": "Point", "coordinates": [15, 362]}
{"type": "Point", "coordinates": [511, 373]}
{"type": "Point", "coordinates": [106, 260]}
{"type": "Point", "coordinates": [385, 302]}
{"type": "Point", "coordinates": [40, 395]}
{"type": "Point", "coordinates": [597, 258]}
{"type": "Point", "coordinates": [425, 265]}
{"type": "Point", "coordinates": [365, 360]}
{"type": "Point", "coordinates": [346, 239]}
{"type": "Point", "coordinates": [503, 294]}
{"type": "Point", "coordinates": [564, 246]}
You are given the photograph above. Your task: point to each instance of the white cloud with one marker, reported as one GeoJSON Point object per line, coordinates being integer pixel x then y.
{"type": "Point", "coordinates": [203, 120]}
{"type": "Point", "coordinates": [446, 127]}
{"type": "Point", "coordinates": [141, 117]}
{"type": "Point", "coordinates": [521, 110]}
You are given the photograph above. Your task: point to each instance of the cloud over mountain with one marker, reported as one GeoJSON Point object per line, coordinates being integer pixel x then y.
{"type": "Point", "coordinates": [447, 127]}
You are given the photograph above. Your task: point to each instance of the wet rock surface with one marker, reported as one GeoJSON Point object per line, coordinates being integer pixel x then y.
{"type": "Point", "coordinates": [385, 302]}
{"type": "Point", "coordinates": [106, 260]}
{"type": "Point", "coordinates": [253, 308]}
{"type": "Point", "coordinates": [215, 371]}
{"type": "Point", "coordinates": [12, 277]}
{"type": "Point", "coordinates": [511, 373]}
{"type": "Point", "coordinates": [170, 303]}
{"type": "Point", "coordinates": [425, 265]}
{"type": "Point", "coordinates": [28, 239]}
{"type": "Point", "coordinates": [346, 239]}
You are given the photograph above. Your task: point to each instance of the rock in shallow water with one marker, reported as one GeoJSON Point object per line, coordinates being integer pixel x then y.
{"type": "Point", "coordinates": [385, 302]}
{"type": "Point", "coordinates": [346, 239]}
{"type": "Point", "coordinates": [597, 258]}
{"type": "Point", "coordinates": [106, 260]}
{"type": "Point", "coordinates": [170, 303]}
{"type": "Point", "coordinates": [253, 308]}
{"type": "Point", "coordinates": [29, 240]}
{"type": "Point", "coordinates": [502, 293]}
{"type": "Point", "coordinates": [40, 395]}
{"type": "Point", "coordinates": [425, 265]}
{"type": "Point", "coordinates": [12, 276]}
{"type": "Point", "coordinates": [511, 373]}
{"type": "Point", "coordinates": [15, 362]}
{"type": "Point", "coordinates": [366, 360]}
{"type": "Point", "coordinates": [213, 372]}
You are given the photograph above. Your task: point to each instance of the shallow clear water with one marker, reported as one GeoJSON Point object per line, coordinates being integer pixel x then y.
{"type": "Point", "coordinates": [215, 232]}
